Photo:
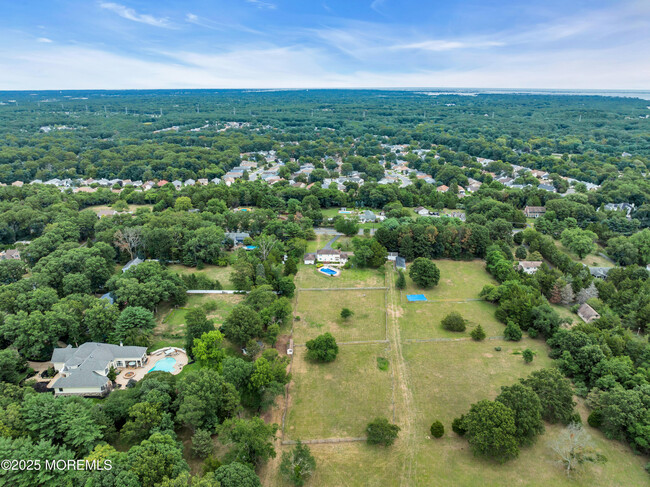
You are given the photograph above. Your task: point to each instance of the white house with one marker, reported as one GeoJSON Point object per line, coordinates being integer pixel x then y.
{"type": "Point", "coordinates": [422, 211]}
{"type": "Point", "coordinates": [84, 370]}
{"type": "Point", "coordinates": [332, 256]}
{"type": "Point", "coordinates": [529, 266]}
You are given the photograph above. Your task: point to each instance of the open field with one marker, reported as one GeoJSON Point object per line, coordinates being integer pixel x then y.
{"type": "Point", "coordinates": [423, 319]}
{"type": "Point", "coordinates": [309, 277]}
{"type": "Point", "coordinates": [221, 274]}
{"type": "Point", "coordinates": [335, 400]}
{"type": "Point", "coordinates": [320, 311]}
{"type": "Point", "coordinates": [133, 208]}
{"type": "Point", "coordinates": [591, 260]}
{"type": "Point", "coordinates": [458, 280]}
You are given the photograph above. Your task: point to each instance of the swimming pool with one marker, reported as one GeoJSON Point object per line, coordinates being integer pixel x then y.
{"type": "Point", "coordinates": [164, 365]}
{"type": "Point", "coordinates": [328, 271]}
{"type": "Point", "coordinates": [250, 247]}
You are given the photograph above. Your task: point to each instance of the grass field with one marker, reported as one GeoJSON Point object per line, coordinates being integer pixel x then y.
{"type": "Point", "coordinates": [133, 208]}
{"type": "Point", "coordinates": [320, 311]}
{"type": "Point", "coordinates": [591, 260]}
{"type": "Point", "coordinates": [221, 274]}
{"type": "Point", "coordinates": [336, 399]}
{"type": "Point", "coordinates": [458, 280]}
{"type": "Point", "coordinates": [309, 277]}
{"type": "Point", "coordinates": [423, 320]}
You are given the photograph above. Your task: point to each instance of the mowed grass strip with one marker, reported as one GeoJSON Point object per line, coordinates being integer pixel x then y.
{"type": "Point", "coordinates": [320, 312]}
{"type": "Point", "coordinates": [338, 399]}
{"type": "Point", "coordinates": [422, 320]}
{"type": "Point", "coordinates": [458, 280]}
{"type": "Point", "coordinates": [309, 277]}
{"type": "Point", "coordinates": [221, 274]}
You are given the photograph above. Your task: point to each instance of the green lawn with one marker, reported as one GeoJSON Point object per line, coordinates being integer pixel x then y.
{"type": "Point", "coordinates": [309, 277]}
{"type": "Point", "coordinates": [423, 320]}
{"type": "Point", "coordinates": [337, 399]}
{"type": "Point", "coordinates": [458, 280]}
{"type": "Point", "coordinates": [320, 311]}
{"type": "Point", "coordinates": [221, 274]}
{"type": "Point", "coordinates": [591, 260]}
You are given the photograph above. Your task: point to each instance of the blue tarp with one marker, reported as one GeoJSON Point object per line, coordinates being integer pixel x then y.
{"type": "Point", "coordinates": [416, 297]}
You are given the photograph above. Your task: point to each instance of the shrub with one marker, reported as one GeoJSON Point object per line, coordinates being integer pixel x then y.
{"type": "Point", "coordinates": [382, 363]}
{"type": "Point", "coordinates": [521, 253]}
{"type": "Point", "coordinates": [528, 355]}
{"type": "Point", "coordinates": [458, 427]}
{"type": "Point", "coordinates": [401, 280]}
{"type": "Point", "coordinates": [454, 322]}
{"type": "Point", "coordinates": [437, 429]}
{"type": "Point", "coordinates": [323, 348]}
{"type": "Point", "coordinates": [298, 464]}
{"type": "Point", "coordinates": [478, 333]}
{"type": "Point", "coordinates": [346, 313]}
{"type": "Point", "coordinates": [512, 332]}
{"type": "Point", "coordinates": [380, 432]}
{"type": "Point", "coordinates": [498, 349]}
{"type": "Point", "coordinates": [595, 419]}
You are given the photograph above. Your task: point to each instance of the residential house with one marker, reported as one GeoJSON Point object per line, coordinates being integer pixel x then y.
{"type": "Point", "coordinates": [332, 256]}
{"type": "Point", "coordinates": [132, 263]}
{"type": "Point", "coordinates": [539, 174]}
{"type": "Point", "coordinates": [442, 188]}
{"type": "Point", "coordinates": [237, 237]}
{"type": "Point", "coordinates": [600, 272]}
{"type": "Point", "coordinates": [84, 370]}
{"type": "Point", "coordinates": [529, 266]}
{"type": "Point", "coordinates": [104, 213]}
{"type": "Point", "coordinates": [161, 183]}
{"type": "Point", "coordinates": [627, 208]}
{"type": "Point", "coordinates": [547, 187]}
{"type": "Point", "coordinates": [587, 313]}
{"type": "Point", "coordinates": [421, 210]}
{"type": "Point", "coordinates": [10, 254]}
{"type": "Point", "coordinates": [368, 217]}
{"type": "Point", "coordinates": [18, 184]}
{"type": "Point", "coordinates": [310, 259]}
{"type": "Point", "coordinates": [392, 256]}
{"type": "Point", "coordinates": [534, 211]}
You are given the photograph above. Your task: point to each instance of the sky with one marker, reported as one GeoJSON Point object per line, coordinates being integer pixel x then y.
{"type": "Point", "coordinates": [144, 44]}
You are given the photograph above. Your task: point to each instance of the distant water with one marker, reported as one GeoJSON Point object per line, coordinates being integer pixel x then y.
{"type": "Point", "coordinates": [643, 95]}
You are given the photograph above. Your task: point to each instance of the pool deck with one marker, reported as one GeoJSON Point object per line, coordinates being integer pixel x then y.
{"type": "Point", "coordinates": [153, 359]}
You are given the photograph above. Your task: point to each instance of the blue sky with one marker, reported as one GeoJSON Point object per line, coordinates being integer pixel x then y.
{"type": "Point", "coordinates": [87, 44]}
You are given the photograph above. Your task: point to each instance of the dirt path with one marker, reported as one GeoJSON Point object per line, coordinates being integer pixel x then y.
{"type": "Point", "coordinates": [404, 408]}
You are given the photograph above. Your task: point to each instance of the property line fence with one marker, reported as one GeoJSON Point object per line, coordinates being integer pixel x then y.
{"type": "Point", "coordinates": [324, 440]}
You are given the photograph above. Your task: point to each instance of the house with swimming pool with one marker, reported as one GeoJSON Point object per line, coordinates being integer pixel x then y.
{"type": "Point", "coordinates": [84, 370]}
{"type": "Point", "coordinates": [327, 256]}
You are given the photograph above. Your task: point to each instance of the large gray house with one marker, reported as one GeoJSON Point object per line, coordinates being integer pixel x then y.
{"type": "Point", "coordinates": [83, 371]}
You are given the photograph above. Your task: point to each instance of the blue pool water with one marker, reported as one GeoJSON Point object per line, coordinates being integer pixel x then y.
{"type": "Point", "coordinates": [250, 247]}
{"type": "Point", "coordinates": [165, 365]}
{"type": "Point", "coordinates": [327, 271]}
{"type": "Point", "coordinates": [345, 212]}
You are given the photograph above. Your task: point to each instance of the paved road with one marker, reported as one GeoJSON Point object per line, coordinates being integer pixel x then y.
{"type": "Point", "coordinates": [328, 245]}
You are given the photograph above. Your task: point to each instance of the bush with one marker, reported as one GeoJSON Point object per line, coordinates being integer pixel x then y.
{"type": "Point", "coordinates": [478, 333]}
{"type": "Point", "coordinates": [458, 427]}
{"type": "Point", "coordinates": [454, 322]}
{"type": "Point", "coordinates": [401, 280]}
{"type": "Point", "coordinates": [382, 363]}
{"type": "Point", "coordinates": [210, 465]}
{"type": "Point", "coordinates": [346, 313]}
{"type": "Point", "coordinates": [323, 348]}
{"type": "Point", "coordinates": [595, 419]}
{"type": "Point", "coordinates": [528, 355]}
{"type": "Point", "coordinates": [512, 332]}
{"type": "Point", "coordinates": [381, 432]}
{"type": "Point", "coordinates": [498, 349]}
{"type": "Point", "coordinates": [437, 429]}
{"type": "Point", "coordinates": [298, 464]}
{"type": "Point", "coordinates": [521, 253]}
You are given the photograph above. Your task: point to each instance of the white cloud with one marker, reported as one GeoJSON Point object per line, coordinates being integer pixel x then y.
{"type": "Point", "coordinates": [44, 40]}
{"type": "Point", "coordinates": [131, 14]}
{"type": "Point", "coordinates": [440, 45]}
{"type": "Point", "coordinates": [262, 4]}
{"type": "Point", "coordinates": [220, 26]}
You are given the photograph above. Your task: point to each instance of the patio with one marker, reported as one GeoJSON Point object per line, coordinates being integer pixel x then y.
{"type": "Point", "coordinates": [152, 359]}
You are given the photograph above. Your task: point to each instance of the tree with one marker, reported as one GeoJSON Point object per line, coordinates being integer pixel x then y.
{"type": "Point", "coordinates": [208, 350]}
{"type": "Point", "coordinates": [265, 245]}
{"type": "Point", "coordinates": [290, 267]}
{"type": "Point", "coordinates": [454, 322]}
{"type": "Point", "coordinates": [11, 366]}
{"type": "Point", "coordinates": [323, 348]}
{"type": "Point", "coordinates": [555, 394]}
{"type": "Point", "coordinates": [346, 226]}
{"type": "Point", "coordinates": [574, 448]}
{"type": "Point", "coordinates": [237, 475]}
{"type": "Point", "coordinates": [401, 280]}
{"type": "Point", "coordinates": [437, 429]}
{"type": "Point", "coordinates": [11, 271]}
{"type": "Point", "coordinates": [133, 319]}
{"type": "Point", "coordinates": [527, 409]}
{"type": "Point", "coordinates": [183, 203]}
{"type": "Point", "coordinates": [491, 430]}
{"type": "Point", "coordinates": [129, 239]}
{"type": "Point", "coordinates": [251, 439]}
{"type": "Point", "coordinates": [528, 355]}
{"type": "Point", "coordinates": [424, 272]}
{"type": "Point", "coordinates": [512, 332]}
{"type": "Point", "coordinates": [297, 464]}
{"type": "Point", "coordinates": [202, 446]}
{"type": "Point", "coordinates": [144, 416]}
{"type": "Point", "coordinates": [458, 427]}
{"type": "Point", "coordinates": [579, 241]}
{"type": "Point", "coordinates": [156, 458]}
{"type": "Point", "coordinates": [242, 324]}
{"type": "Point", "coordinates": [380, 432]}
{"type": "Point", "coordinates": [478, 333]}
{"type": "Point", "coordinates": [346, 313]}
{"type": "Point", "coordinates": [521, 253]}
